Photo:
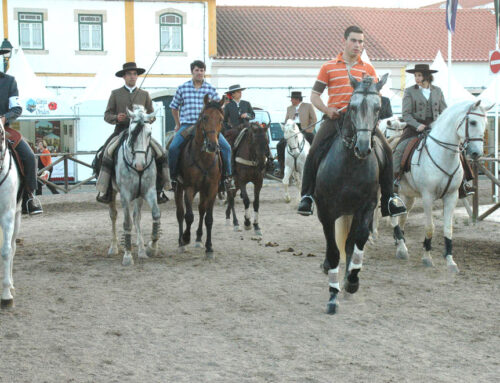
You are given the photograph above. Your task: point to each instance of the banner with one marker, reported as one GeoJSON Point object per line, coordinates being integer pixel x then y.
{"type": "Point", "coordinates": [451, 14]}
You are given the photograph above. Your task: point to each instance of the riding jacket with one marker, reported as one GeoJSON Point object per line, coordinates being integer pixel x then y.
{"type": "Point", "coordinates": [9, 98]}
{"type": "Point", "coordinates": [233, 112]}
{"type": "Point", "coordinates": [307, 117]}
{"type": "Point", "coordinates": [121, 99]}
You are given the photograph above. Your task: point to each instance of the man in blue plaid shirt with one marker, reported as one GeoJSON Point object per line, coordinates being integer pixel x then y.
{"type": "Point", "coordinates": [189, 99]}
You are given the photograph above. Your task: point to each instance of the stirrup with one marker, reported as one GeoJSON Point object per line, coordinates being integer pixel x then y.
{"type": "Point", "coordinates": [35, 204]}
{"type": "Point", "coordinates": [396, 197]}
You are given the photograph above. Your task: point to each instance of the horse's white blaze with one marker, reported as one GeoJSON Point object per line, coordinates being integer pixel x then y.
{"type": "Point", "coordinates": [333, 278]}
{"type": "Point", "coordinates": [357, 259]}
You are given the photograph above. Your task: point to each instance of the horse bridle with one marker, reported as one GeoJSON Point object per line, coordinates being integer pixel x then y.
{"type": "Point", "coordinates": [205, 137]}
{"type": "Point", "coordinates": [350, 141]}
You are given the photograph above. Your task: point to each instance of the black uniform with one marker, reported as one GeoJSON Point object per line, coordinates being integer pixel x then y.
{"type": "Point", "coordinates": [233, 112]}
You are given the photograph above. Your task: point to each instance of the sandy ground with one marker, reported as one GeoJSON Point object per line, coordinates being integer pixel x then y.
{"type": "Point", "coordinates": [254, 314]}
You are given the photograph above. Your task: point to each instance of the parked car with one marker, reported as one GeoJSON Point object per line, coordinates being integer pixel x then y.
{"type": "Point", "coordinates": [274, 130]}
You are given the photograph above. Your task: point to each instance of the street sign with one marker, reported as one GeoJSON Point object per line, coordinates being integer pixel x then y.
{"type": "Point", "coordinates": [495, 61]}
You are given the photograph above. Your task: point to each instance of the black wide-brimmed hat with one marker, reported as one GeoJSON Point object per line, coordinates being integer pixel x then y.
{"type": "Point", "coordinates": [422, 68]}
{"type": "Point", "coordinates": [234, 88]}
{"type": "Point", "coordinates": [129, 66]}
{"type": "Point", "coordinates": [4, 51]}
{"type": "Point", "coordinates": [297, 95]}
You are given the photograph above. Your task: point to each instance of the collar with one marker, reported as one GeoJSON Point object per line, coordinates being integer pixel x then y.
{"type": "Point", "coordinates": [131, 90]}
{"type": "Point", "coordinates": [340, 59]}
{"type": "Point", "coordinates": [201, 86]}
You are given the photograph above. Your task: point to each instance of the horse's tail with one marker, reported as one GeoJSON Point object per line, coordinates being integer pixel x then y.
{"type": "Point", "coordinates": [342, 228]}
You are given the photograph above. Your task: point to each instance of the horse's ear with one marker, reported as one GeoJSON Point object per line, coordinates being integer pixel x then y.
{"type": "Point", "coordinates": [150, 116]}
{"type": "Point", "coordinates": [382, 82]}
{"type": "Point", "coordinates": [206, 99]}
{"type": "Point", "coordinates": [130, 113]}
{"type": "Point", "coordinates": [486, 107]}
{"type": "Point", "coordinates": [389, 123]}
{"type": "Point", "coordinates": [354, 82]}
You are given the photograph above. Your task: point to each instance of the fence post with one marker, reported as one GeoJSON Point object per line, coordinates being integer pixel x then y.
{"type": "Point", "coordinates": [475, 197]}
{"type": "Point", "coordinates": [66, 186]}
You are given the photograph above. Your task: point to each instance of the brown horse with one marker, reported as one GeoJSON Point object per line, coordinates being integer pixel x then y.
{"type": "Point", "coordinates": [250, 166]}
{"type": "Point", "coordinates": [200, 167]}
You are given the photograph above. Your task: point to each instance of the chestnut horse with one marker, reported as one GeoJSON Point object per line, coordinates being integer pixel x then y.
{"type": "Point", "coordinates": [200, 167]}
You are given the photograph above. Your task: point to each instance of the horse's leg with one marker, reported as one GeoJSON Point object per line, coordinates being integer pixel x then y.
{"type": "Point", "coordinates": [429, 229]}
{"type": "Point", "coordinates": [256, 202]}
{"type": "Point", "coordinates": [236, 224]}
{"type": "Point", "coordinates": [152, 249]}
{"type": "Point", "coordinates": [8, 221]}
{"type": "Point", "coordinates": [356, 240]}
{"type": "Point", "coordinates": [398, 225]}
{"type": "Point", "coordinates": [209, 220]}
{"type": "Point", "coordinates": [17, 225]}
{"type": "Point", "coordinates": [141, 251]}
{"type": "Point", "coordinates": [375, 222]}
{"type": "Point", "coordinates": [199, 231]}
{"type": "Point", "coordinates": [286, 180]}
{"type": "Point", "coordinates": [179, 203]}
{"type": "Point", "coordinates": [333, 258]}
{"type": "Point", "coordinates": [113, 214]}
{"type": "Point", "coordinates": [246, 203]}
{"type": "Point", "coordinates": [449, 204]}
{"type": "Point", "coordinates": [127, 233]}
{"type": "Point", "coordinates": [189, 216]}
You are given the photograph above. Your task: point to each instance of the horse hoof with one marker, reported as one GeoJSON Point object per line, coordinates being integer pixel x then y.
{"type": "Point", "coordinates": [453, 268]}
{"type": "Point", "coordinates": [248, 227]}
{"type": "Point", "coordinates": [127, 261]}
{"type": "Point", "coordinates": [427, 262]}
{"type": "Point", "coordinates": [237, 228]}
{"type": "Point", "coordinates": [182, 249]}
{"type": "Point", "coordinates": [112, 251]}
{"type": "Point", "coordinates": [351, 287]}
{"type": "Point", "coordinates": [402, 254]}
{"type": "Point", "coordinates": [228, 222]}
{"type": "Point", "coordinates": [258, 233]}
{"type": "Point", "coordinates": [209, 255]}
{"type": "Point", "coordinates": [198, 245]}
{"type": "Point", "coordinates": [287, 199]}
{"type": "Point", "coordinates": [150, 252]}
{"type": "Point", "coordinates": [143, 255]}
{"type": "Point", "coordinates": [7, 304]}
{"type": "Point", "coordinates": [331, 308]}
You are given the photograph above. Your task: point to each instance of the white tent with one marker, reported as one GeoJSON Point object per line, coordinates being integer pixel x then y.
{"type": "Point", "coordinates": [36, 100]}
{"type": "Point", "coordinates": [489, 93]}
{"type": "Point", "coordinates": [458, 92]}
{"type": "Point", "coordinates": [100, 88]}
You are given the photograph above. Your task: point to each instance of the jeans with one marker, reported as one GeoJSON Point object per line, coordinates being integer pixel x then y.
{"type": "Point", "coordinates": [174, 152]}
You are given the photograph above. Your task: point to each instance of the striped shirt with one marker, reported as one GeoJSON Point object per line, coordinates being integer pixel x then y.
{"type": "Point", "coordinates": [334, 74]}
{"type": "Point", "coordinates": [190, 100]}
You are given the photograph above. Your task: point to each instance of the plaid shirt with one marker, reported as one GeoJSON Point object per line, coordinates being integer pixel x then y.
{"type": "Point", "coordinates": [190, 100]}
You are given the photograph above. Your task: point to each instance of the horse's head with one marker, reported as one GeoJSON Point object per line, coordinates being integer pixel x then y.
{"type": "Point", "coordinates": [291, 135]}
{"type": "Point", "coordinates": [362, 112]}
{"type": "Point", "coordinates": [209, 124]}
{"type": "Point", "coordinates": [471, 129]}
{"type": "Point", "coordinates": [139, 135]}
{"type": "Point", "coordinates": [259, 142]}
{"type": "Point", "coordinates": [391, 126]}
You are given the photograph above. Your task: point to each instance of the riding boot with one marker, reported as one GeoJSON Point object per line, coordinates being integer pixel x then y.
{"type": "Point", "coordinates": [31, 204]}
{"type": "Point", "coordinates": [388, 206]}
{"type": "Point", "coordinates": [106, 197]}
{"type": "Point", "coordinates": [308, 182]}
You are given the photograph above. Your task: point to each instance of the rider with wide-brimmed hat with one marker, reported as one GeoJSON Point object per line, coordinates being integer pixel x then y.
{"type": "Point", "coordinates": [236, 111]}
{"type": "Point", "coordinates": [120, 100]}
{"type": "Point", "coordinates": [10, 110]}
{"type": "Point", "coordinates": [423, 103]}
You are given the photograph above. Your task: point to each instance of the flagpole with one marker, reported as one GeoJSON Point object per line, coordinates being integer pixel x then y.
{"type": "Point", "coordinates": [449, 65]}
{"type": "Point", "coordinates": [495, 197]}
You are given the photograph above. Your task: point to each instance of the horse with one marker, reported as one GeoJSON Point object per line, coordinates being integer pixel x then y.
{"type": "Point", "coordinates": [10, 216]}
{"type": "Point", "coordinates": [250, 159]}
{"type": "Point", "coordinates": [391, 127]}
{"type": "Point", "coordinates": [436, 173]}
{"type": "Point", "coordinates": [347, 182]}
{"type": "Point", "coordinates": [297, 149]}
{"type": "Point", "coordinates": [200, 167]}
{"type": "Point", "coordinates": [135, 180]}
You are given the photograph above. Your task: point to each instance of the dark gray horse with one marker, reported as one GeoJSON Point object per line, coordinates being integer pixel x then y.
{"type": "Point", "coordinates": [346, 186]}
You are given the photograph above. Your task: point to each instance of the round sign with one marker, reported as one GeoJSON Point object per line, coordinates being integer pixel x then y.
{"type": "Point", "coordinates": [495, 62]}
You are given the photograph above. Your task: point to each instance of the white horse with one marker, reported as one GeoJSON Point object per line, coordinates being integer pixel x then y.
{"type": "Point", "coordinates": [10, 217]}
{"type": "Point", "coordinates": [436, 172]}
{"type": "Point", "coordinates": [297, 149]}
{"type": "Point", "coordinates": [135, 171]}
{"type": "Point", "coordinates": [391, 127]}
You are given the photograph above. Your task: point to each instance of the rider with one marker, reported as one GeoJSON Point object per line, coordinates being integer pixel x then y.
{"type": "Point", "coordinates": [305, 117]}
{"type": "Point", "coordinates": [189, 99]}
{"type": "Point", "coordinates": [334, 76]}
{"type": "Point", "coordinates": [10, 110]}
{"type": "Point", "coordinates": [422, 105]}
{"type": "Point", "coordinates": [120, 100]}
{"type": "Point", "coordinates": [236, 111]}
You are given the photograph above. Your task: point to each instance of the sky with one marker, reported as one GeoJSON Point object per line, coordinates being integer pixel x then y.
{"type": "Point", "coordinates": [325, 3]}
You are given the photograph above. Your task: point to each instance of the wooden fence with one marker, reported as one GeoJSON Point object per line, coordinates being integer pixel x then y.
{"type": "Point", "coordinates": [65, 157]}
{"type": "Point", "coordinates": [477, 166]}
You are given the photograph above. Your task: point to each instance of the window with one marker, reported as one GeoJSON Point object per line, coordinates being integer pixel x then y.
{"type": "Point", "coordinates": [31, 30]}
{"type": "Point", "coordinates": [90, 28]}
{"type": "Point", "coordinates": [170, 33]}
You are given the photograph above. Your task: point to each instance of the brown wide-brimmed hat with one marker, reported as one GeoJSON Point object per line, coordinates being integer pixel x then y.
{"type": "Point", "coordinates": [129, 66]}
{"type": "Point", "coordinates": [422, 68]}
{"type": "Point", "coordinates": [234, 88]}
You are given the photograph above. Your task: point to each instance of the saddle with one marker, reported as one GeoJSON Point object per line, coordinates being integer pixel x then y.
{"type": "Point", "coordinates": [408, 153]}
{"type": "Point", "coordinates": [13, 139]}
{"type": "Point", "coordinates": [239, 138]}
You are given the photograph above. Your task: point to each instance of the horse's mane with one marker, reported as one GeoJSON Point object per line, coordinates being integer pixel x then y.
{"type": "Point", "coordinates": [135, 133]}
{"type": "Point", "coordinates": [450, 112]}
{"type": "Point", "coordinates": [212, 105]}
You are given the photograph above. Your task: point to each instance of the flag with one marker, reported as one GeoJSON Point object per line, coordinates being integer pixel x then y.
{"type": "Point", "coordinates": [451, 14]}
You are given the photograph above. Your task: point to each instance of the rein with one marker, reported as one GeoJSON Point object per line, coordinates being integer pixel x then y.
{"type": "Point", "coordinates": [1, 167]}
{"type": "Point", "coordinates": [300, 148]}
{"type": "Point", "coordinates": [130, 166]}
{"type": "Point", "coordinates": [350, 141]}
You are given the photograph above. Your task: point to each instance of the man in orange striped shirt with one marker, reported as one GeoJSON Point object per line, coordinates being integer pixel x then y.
{"type": "Point", "coordinates": [334, 75]}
